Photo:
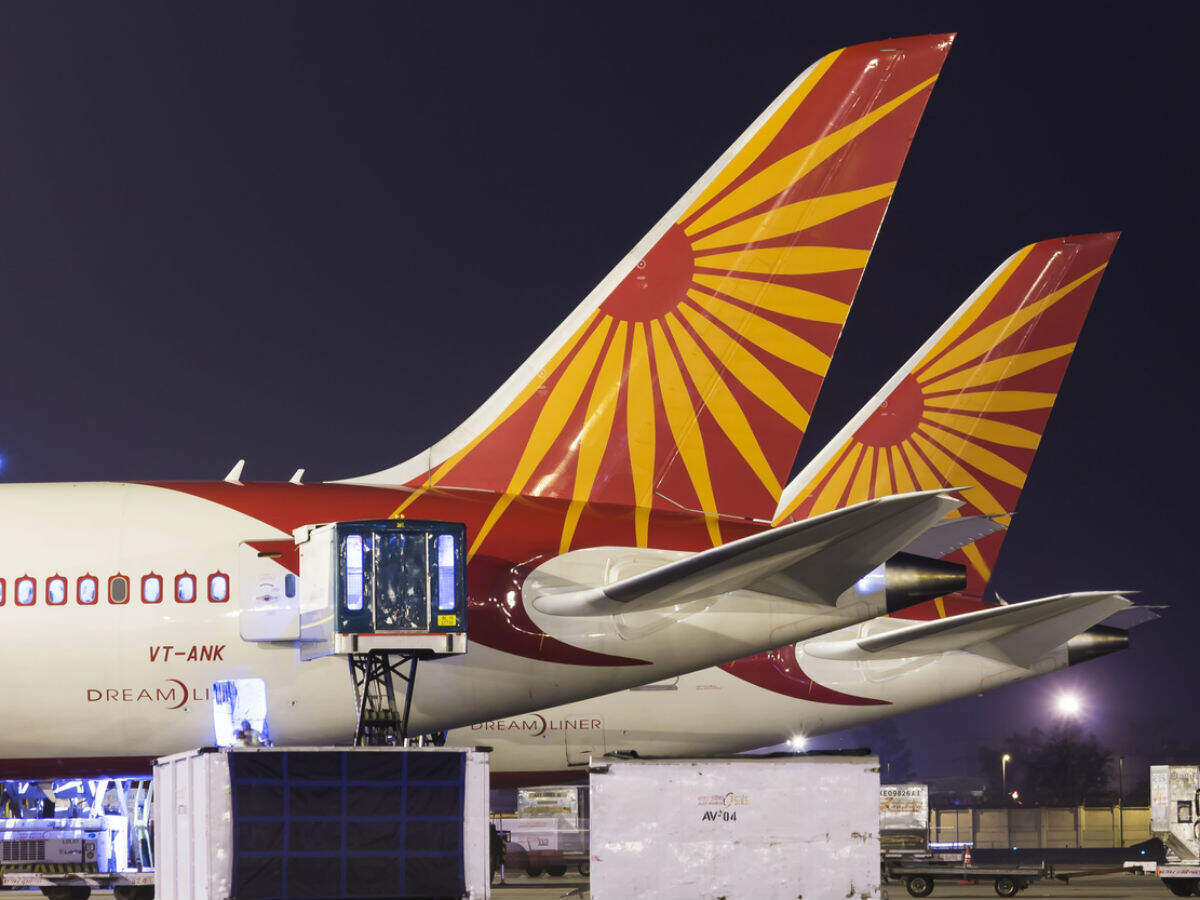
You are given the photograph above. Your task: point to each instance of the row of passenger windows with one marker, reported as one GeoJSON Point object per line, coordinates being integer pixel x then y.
{"type": "Point", "coordinates": [118, 589]}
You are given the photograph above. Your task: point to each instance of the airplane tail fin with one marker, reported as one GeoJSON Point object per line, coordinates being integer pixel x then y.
{"type": "Point", "coordinates": [970, 406]}
{"type": "Point", "coordinates": [686, 377]}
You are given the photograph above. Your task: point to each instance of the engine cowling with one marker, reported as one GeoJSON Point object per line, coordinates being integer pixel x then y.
{"type": "Point", "coordinates": [909, 580]}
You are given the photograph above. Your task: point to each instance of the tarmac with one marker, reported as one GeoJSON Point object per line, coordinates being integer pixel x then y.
{"type": "Point", "coordinates": [1105, 887]}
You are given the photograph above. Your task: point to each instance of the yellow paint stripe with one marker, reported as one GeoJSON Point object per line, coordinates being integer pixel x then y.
{"type": "Point", "coordinates": [883, 475]}
{"type": "Point", "coordinates": [779, 298]}
{"type": "Point", "coordinates": [975, 310]}
{"type": "Point", "coordinates": [563, 399]}
{"type": "Point", "coordinates": [597, 426]}
{"type": "Point", "coordinates": [681, 418]}
{"type": "Point", "coordinates": [860, 490]}
{"type": "Point", "coordinates": [956, 475]}
{"type": "Point", "coordinates": [830, 497]}
{"type": "Point", "coordinates": [720, 402]}
{"type": "Point", "coordinates": [777, 341]}
{"type": "Point", "coordinates": [988, 429]}
{"type": "Point", "coordinates": [528, 391]}
{"type": "Point", "coordinates": [785, 172]}
{"type": "Point", "coordinates": [904, 482]}
{"type": "Point", "coordinates": [940, 604]}
{"type": "Point", "coordinates": [639, 430]}
{"type": "Point", "coordinates": [801, 260]}
{"type": "Point", "coordinates": [807, 490]}
{"type": "Point", "coordinates": [993, 401]}
{"type": "Point", "coordinates": [792, 217]}
{"type": "Point", "coordinates": [986, 338]}
{"type": "Point", "coordinates": [984, 460]}
{"type": "Point", "coordinates": [762, 138]}
{"type": "Point", "coordinates": [976, 559]}
{"type": "Point", "coordinates": [743, 365]}
{"type": "Point", "coordinates": [926, 480]}
{"type": "Point", "coordinates": [994, 370]}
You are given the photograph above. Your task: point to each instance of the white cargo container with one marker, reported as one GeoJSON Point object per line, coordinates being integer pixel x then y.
{"type": "Point", "coordinates": [742, 828]}
{"type": "Point", "coordinates": [904, 819]}
{"type": "Point", "coordinates": [224, 818]}
{"type": "Point", "coordinates": [1175, 820]}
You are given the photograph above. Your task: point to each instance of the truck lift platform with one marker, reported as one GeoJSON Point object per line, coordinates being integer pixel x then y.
{"type": "Point", "coordinates": [386, 594]}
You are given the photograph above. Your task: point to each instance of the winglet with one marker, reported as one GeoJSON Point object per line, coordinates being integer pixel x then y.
{"type": "Point", "coordinates": [296, 477]}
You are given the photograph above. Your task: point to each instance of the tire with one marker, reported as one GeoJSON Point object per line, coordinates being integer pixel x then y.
{"type": "Point", "coordinates": [133, 892]}
{"type": "Point", "coordinates": [533, 871]}
{"type": "Point", "coordinates": [1007, 887]}
{"type": "Point", "coordinates": [556, 871]}
{"type": "Point", "coordinates": [585, 869]}
{"type": "Point", "coordinates": [67, 892]}
{"type": "Point", "coordinates": [919, 885]}
{"type": "Point", "coordinates": [1181, 887]}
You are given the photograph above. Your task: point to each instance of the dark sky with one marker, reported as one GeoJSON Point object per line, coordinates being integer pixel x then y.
{"type": "Point", "coordinates": [319, 235]}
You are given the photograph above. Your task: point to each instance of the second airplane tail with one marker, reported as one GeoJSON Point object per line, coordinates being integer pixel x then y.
{"type": "Point", "coordinates": [970, 406]}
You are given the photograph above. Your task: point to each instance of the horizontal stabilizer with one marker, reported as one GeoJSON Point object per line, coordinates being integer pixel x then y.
{"type": "Point", "coordinates": [953, 534]}
{"type": "Point", "coordinates": [1020, 633]}
{"type": "Point", "coordinates": [813, 560]}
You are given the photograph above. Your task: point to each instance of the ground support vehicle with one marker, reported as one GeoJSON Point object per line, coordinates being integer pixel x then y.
{"type": "Point", "coordinates": [919, 876]}
{"type": "Point", "coordinates": [78, 885]}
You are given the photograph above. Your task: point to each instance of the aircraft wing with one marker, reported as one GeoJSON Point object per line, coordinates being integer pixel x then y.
{"type": "Point", "coordinates": [813, 560]}
{"type": "Point", "coordinates": [953, 534]}
{"type": "Point", "coordinates": [1021, 633]}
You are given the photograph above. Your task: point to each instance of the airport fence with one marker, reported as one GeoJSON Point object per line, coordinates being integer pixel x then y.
{"type": "Point", "coordinates": [1070, 827]}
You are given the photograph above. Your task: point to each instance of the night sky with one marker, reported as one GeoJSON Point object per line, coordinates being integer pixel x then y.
{"type": "Point", "coordinates": [320, 235]}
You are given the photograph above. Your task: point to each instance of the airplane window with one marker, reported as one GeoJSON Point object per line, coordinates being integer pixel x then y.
{"type": "Point", "coordinates": [118, 589]}
{"type": "Point", "coordinates": [151, 588]}
{"type": "Point", "coordinates": [26, 591]}
{"type": "Point", "coordinates": [2, 592]}
{"type": "Point", "coordinates": [185, 588]}
{"type": "Point", "coordinates": [218, 587]}
{"type": "Point", "coordinates": [86, 590]}
{"type": "Point", "coordinates": [56, 591]}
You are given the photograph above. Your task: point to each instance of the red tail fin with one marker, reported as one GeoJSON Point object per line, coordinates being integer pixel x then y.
{"type": "Point", "coordinates": [970, 407]}
{"type": "Point", "coordinates": [685, 379]}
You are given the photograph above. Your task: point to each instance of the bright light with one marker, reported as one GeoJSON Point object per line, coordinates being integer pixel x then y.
{"type": "Point", "coordinates": [1015, 794]}
{"type": "Point", "coordinates": [1068, 705]}
{"type": "Point", "coordinates": [798, 742]}
{"type": "Point", "coordinates": [1006, 758]}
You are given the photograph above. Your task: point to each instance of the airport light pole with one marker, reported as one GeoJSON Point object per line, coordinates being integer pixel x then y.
{"type": "Point", "coordinates": [1121, 795]}
{"type": "Point", "coordinates": [1004, 761]}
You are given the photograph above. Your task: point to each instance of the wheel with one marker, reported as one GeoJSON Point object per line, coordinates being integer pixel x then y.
{"type": "Point", "coordinates": [133, 892]}
{"type": "Point", "coordinates": [556, 871]}
{"type": "Point", "coordinates": [533, 871]}
{"type": "Point", "coordinates": [919, 885]}
{"type": "Point", "coordinates": [1181, 887]}
{"type": "Point", "coordinates": [1007, 887]}
{"type": "Point", "coordinates": [585, 869]}
{"type": "Point", "coordinates": [67, 892]}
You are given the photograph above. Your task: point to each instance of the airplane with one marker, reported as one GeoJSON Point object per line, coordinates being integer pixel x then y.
{"type": "Point", "coordinates": [659, 421]}
{"type": "Point", "coordinates": [970, 406]}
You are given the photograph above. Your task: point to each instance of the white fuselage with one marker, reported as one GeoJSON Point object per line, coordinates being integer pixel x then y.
{"type": "Point", "coordinates": [714, 712]}
{"type": "Point", "coordinates": [134, 679]}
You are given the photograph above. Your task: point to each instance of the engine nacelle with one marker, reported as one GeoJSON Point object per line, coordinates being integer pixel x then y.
{"type": "Point", "coordinates": [909, 580]}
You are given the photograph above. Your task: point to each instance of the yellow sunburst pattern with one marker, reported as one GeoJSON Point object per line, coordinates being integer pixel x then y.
{"type": "Point", "coordinates": [970, 408]}
{"type": "Point", "coordinates": [689, 384]}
